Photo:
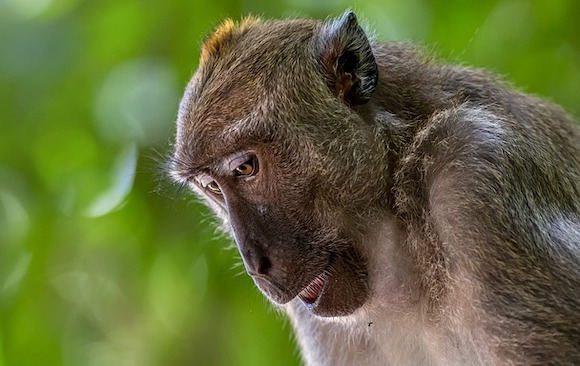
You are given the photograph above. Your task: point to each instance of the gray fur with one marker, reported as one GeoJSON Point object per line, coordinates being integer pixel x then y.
{"type": "Point", "coordinates": [440, 206]}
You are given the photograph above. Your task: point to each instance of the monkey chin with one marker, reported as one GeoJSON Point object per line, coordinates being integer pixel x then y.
{"type": "Point", "coordinates": [344, 287]}
{"type": "Point", "coordinates": [336, 291]}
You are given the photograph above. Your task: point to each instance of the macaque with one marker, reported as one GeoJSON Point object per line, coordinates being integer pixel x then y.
{"type": "Point", "coordinates": [401, 211]}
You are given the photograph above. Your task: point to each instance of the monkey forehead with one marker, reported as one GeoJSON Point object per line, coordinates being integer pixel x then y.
{"type": "Point", "coordinates": [225, 114]}
{"type": "Point", "coordinates": [203, 141]}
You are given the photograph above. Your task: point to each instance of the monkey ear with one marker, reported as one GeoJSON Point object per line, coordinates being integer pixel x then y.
{"type": "Point", "coordinates": [348, 60]}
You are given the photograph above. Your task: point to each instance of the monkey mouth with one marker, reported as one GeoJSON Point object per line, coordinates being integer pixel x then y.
{"type": "Point", "coordinates": [312, 292]}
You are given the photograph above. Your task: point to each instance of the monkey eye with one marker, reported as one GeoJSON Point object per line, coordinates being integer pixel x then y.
{"type": "Point", "coordinates": [213, 187]}
{"type": "Point", "coordinates": [248, 168]}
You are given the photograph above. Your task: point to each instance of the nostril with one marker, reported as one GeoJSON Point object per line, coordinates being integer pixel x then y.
{"type": "Point", "coordinates": [265, 265]}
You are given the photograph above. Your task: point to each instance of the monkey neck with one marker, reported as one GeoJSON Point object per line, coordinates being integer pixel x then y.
{"type": "Point", "coordinates": [412, 88]}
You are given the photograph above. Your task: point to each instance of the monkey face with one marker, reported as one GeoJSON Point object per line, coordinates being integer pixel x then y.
{"type": "Point", "coordinates": [269, 135]}
{"type": "Point", "coordinates": [286, 247]}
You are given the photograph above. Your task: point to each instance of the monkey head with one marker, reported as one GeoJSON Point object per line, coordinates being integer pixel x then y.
{"type": "Point", "coordinates": [272, 133]}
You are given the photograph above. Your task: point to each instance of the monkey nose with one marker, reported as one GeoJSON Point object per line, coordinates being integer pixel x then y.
{"type": "Point", "coordinates": [257, 264]}
{"type": "Point", "coordinates": [264, 266]}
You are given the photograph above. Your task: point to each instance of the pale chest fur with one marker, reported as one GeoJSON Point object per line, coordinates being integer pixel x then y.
{"type": "Point", "coordinates": [391, 328]}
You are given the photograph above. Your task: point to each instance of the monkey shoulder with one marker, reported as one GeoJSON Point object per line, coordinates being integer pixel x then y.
{"type": "Point", "coordinates": [489, 152]}
{"type": "Point", "coordinates": [457, 147]}
{"type": "Point", "coordinates": [495, 200]}
{"type": "Point", "coordinates": [473, 166]}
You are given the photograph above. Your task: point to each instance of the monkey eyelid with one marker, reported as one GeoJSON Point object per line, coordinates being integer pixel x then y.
{"type": "Point", "coordinates": [238, 159]}
{"type": "Point", "coordinates": [227, 166]}
{"type": "Point", "coordinates": [208, 184]}
{"type": "Point", "coordinates": [203, 180]}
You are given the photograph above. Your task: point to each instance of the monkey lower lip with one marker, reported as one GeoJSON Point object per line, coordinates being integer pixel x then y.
{"type": "Point", "coordinates": [312, 292]}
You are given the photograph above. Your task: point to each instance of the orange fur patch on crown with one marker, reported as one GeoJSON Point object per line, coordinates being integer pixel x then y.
{"type": "Point", "coordinates": [223, 34]}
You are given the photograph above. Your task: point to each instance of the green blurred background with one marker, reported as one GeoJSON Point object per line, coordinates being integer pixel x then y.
{"type": "Point", "coordinates": [102, 261]}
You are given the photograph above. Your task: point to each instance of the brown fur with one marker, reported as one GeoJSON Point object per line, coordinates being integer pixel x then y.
{"type": "Point", "coordinates": [441, 206]}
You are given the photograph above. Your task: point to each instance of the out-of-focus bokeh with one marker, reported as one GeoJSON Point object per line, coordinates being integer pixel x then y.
{"type": "Point", "coordinates": [102, 261]}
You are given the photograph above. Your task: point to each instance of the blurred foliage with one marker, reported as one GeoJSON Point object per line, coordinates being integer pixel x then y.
{"type": "Point", "coordinates": [102, 262]}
